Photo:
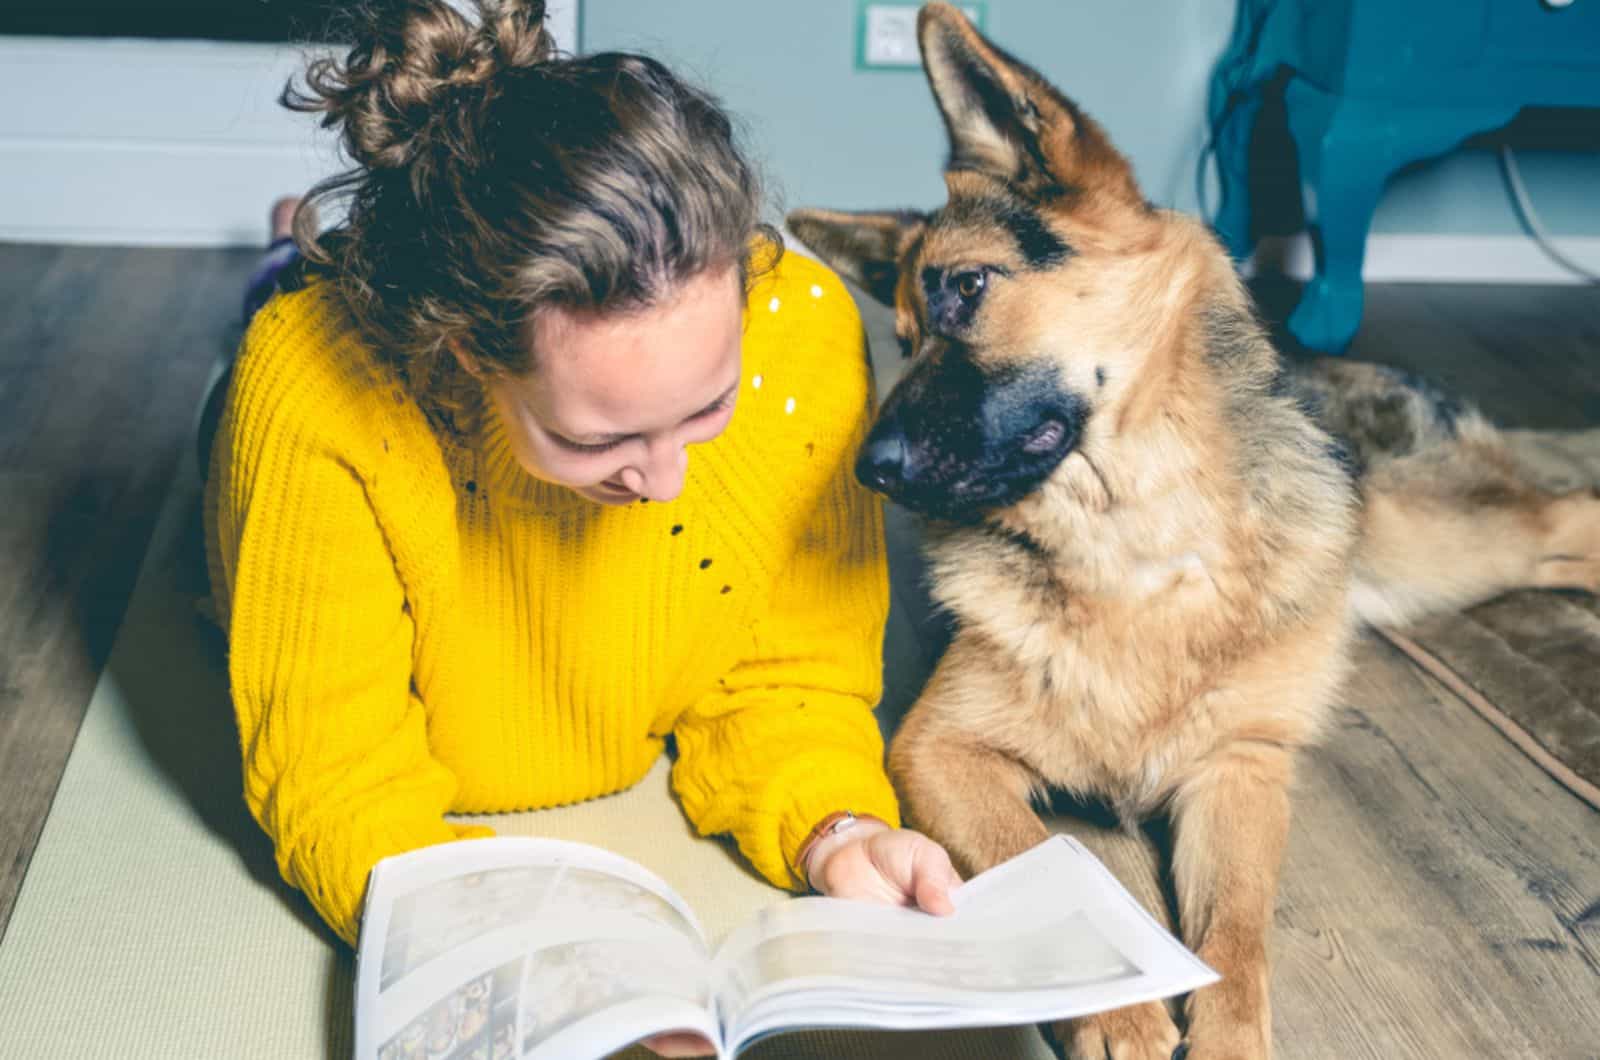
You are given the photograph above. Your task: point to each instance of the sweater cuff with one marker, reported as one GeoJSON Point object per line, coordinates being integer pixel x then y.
{"type": "Point", "coordinates": [829, 786]}
{"type": "Point", "coordinates": [336, 879]}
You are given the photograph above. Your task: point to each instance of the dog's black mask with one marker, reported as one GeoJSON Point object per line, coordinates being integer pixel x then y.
{"type": "Point", "coordinates": [955, 440]}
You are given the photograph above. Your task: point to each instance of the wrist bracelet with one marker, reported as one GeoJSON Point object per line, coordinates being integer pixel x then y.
{"type": "Point", "coordinates": [831, 825]}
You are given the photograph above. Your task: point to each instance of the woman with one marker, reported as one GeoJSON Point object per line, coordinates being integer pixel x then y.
{"type": "Point", "coordinates": [464, 558]}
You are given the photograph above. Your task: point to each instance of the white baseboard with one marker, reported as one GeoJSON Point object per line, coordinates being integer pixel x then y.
{"type": "Point", "coordinates": [1418, 258]}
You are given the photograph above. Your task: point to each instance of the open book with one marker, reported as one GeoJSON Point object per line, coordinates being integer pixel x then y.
{"type": "Point", "coordinates": [539, 948]}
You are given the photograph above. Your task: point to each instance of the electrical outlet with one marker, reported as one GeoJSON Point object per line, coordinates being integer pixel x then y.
{"type": "Point", "coordinates": [886, 34]}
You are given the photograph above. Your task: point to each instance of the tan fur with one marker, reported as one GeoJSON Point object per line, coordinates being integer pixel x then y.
{"type": "Point", "coordinates": [1164, 621]}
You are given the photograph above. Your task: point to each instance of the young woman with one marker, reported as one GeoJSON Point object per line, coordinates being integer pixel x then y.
{"type": "Point", "coordinates": [543, 466]}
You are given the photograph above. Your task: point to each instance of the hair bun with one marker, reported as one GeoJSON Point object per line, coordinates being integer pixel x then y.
{"type": "Point", "coordinates": [406, 57]}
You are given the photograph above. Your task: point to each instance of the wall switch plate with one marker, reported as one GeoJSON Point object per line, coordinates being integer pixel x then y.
{"type": "Point", "coordinates": [886, 34]}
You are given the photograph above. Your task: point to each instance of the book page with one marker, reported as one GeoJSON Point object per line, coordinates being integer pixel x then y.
{"type": "Point", "coordinates": [1047, 935]}
{"type": "Point", "coordinates": [496, 948]}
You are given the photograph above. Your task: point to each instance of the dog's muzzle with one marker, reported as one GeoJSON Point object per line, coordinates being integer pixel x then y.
{"type": "Point", "coordinates": [963, 470]}
{"type": "Point", "coordinates": [882, 463]}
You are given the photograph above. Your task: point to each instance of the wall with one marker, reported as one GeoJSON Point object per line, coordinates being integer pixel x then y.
{"type": "Point", "coordinates": [156, 142]}
{"type": "Point", "coordinates": [179, 142]}
{"type": "Point", "coordinates": [837, 136]}
{"type": "Point", "coordinates": [147, 142]}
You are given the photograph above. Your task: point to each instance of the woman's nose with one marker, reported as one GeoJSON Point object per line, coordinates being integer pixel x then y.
{"type": "Point", "coordinates": [661, 477]}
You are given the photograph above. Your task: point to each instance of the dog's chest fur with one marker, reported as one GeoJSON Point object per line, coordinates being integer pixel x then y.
{"type": "Point", "coordinates": [1125, 647]}
{"type": "Point", "coordinates": [1105, 653]}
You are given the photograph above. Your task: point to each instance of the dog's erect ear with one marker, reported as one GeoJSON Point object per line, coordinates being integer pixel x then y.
{"type": "Point", "coordinates": [1006, 120]}
{"type": "Point", "coordinates": [862, 246]}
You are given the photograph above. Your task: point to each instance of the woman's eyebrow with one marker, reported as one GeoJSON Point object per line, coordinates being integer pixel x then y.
{"type": "Point", "coordinates": [719, 399]}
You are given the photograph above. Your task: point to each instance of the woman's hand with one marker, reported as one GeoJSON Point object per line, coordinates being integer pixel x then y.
{"type": "Point", "coordinates": [872, 862]}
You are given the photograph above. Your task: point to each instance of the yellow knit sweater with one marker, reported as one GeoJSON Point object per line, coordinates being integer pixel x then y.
{"type": "Point", "coordinates": [418, 627]}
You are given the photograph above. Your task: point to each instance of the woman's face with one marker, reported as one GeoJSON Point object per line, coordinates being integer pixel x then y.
{"type": "Point", "coordinates": [617, 399]}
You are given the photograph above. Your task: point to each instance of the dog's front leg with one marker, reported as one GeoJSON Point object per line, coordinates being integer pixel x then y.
{"type": "Point", "coordinates": [974, 800]}
{"type": "Point", "coordinates": [1231, 820]}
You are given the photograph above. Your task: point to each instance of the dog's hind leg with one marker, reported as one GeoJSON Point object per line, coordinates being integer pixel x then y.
{"type": "Point", "coordinates": [1231, 821]}
{"type": "Point", "coordinates": [1448, 529]}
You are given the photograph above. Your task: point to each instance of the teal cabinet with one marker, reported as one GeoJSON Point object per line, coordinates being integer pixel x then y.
{"type": "Point", "coordinates": [1374, 85]}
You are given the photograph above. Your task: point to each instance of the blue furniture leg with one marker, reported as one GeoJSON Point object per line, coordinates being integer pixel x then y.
{"type": "Point", "coordinates": [1233, 102]}
{"type": "Point", "coordinates": [1348, 149]}
{"type": "Point", "coordinates": [1342, 173]}
{"type": "Point", "coordinates": [1232, 150]}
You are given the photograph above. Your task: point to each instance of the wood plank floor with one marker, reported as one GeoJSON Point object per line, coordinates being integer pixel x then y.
{"type": "Point", "coordinates": [103, 355]}
{"type": "Point", "coordinates": [1423, 840]}
{"type": "Point", "coordinates": [1440, 895]}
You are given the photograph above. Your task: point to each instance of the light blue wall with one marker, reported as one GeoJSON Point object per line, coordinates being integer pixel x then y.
{"type": "Point", "coordinates": [1465, 193]}
{"type": "Point", "coordinates": [830, 135]}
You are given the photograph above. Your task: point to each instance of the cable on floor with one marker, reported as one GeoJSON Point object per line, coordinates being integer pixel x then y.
{"type": "Point", "coordinates": [1530, 217]}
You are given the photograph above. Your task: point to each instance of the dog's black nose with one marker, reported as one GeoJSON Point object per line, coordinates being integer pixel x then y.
{"type": "Point", "coordinates": [882, 463]}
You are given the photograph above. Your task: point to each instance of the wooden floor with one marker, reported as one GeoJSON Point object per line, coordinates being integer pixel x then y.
{"type": "Point", "coordinates": [1529, 356]}
{"type": "Point", "coordinates": [103, 357]}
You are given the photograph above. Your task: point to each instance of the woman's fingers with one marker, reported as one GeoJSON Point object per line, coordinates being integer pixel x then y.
{"type": "Point", "coordinates": [679, 1043]}
{"type": "Point", "coordinates": [892, 867]}
{"type": "Point", "coordinates": [933, 879]}
{"type": "Point", "coordinates": [917, 869]}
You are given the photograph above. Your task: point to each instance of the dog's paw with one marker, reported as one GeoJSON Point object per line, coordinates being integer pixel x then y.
{"type": "Point", "coordinates": [1217, 1033]}
{"type": "Point", "coordinates": [1571, 546]}
{"type": "Point", "coordinates": [1138, 1032]}
{"type": "Point", "coordinates": [1561, 573]}
{"type": "Point", "coordinates": [1237, 1043]}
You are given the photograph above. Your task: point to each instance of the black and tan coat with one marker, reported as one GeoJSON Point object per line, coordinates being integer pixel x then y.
{"type": "Point", "coordinates": [1154, 537]}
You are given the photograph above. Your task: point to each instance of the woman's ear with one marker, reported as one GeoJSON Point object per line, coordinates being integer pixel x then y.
{"type": "Point", "coordinates": [468, 363]}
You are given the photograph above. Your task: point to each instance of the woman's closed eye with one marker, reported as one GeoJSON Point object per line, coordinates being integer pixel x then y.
{"type": "Point", "coordinates": [580, 447]}
{"type": "Point", "coordinates": [720, 405]}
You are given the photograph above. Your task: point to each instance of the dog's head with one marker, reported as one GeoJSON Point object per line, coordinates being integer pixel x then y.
{"type": "Point", "coordinates": [1016, 301]}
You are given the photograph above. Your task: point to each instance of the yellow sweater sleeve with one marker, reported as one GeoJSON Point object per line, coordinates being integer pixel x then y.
{"type": "Point", "coordinates": [789, 735]}
{"type": "Point", "coordinates": [336, 762]}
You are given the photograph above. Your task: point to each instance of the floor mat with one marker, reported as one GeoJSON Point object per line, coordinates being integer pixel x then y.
{"type": "Point", "coordinates": [1529, 663]}
{"type": "Point", "coordinates": [152, 922]}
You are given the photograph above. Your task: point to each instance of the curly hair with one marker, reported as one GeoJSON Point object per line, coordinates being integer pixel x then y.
{"type": "Point", "coordinates": [495, 177]}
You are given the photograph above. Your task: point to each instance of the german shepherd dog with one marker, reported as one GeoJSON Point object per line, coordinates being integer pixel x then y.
{"type": "Point", "coordinates": [1155, 538]}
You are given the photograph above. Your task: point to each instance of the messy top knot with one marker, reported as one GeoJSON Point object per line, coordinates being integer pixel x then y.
{"type": "Point", "coordinates": [494, 178]}
{"type": "Point", "coordinates": [407, 55]}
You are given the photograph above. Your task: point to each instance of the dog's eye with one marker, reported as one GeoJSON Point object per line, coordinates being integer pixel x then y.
{"type": "Point", "coordinates": [969, 285]}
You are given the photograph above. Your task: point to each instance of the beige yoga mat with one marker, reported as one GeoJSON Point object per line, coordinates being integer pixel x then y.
{"type": "Point", "coordinates": [152, 922]}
